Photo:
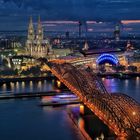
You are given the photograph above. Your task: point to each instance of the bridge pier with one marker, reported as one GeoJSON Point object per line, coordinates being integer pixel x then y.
{"type": "Point", "coordinates": [85, 110]}
{"type": "Point", "coordinates": [58, 84]}
{"type": "Point", "coordinates": [92, 124]}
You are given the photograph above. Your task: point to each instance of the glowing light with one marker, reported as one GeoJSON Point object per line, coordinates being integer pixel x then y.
{"type": "Point", "coordinates": [107, 57]}
{"type": "Point", "coordinates": [81, 123]}
{"type": "Point", "coordinates": [130, 21]}
{"type": "Point", "coordinates": [61, 22]}
{"type": "Point", "coordinates": [90, 29]}
{"type": "Point", "coordinates": [134, 113]}
{"type": "Point", "coordinates": [91, 22]}
{"type": "Point", "coordinates": [58, 83]}
{"type": "Point", "coordinates": [81, 109]}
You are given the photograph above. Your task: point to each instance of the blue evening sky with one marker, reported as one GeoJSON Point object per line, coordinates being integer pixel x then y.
{"type": "Point", "coordinates": [14, 14]}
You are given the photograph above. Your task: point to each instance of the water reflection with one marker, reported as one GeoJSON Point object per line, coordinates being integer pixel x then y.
{"type": "Point", "coordinates": [3, 88]}
{"type": "Point", "coordinates": [137, 82]}
{"type": "Point", "coordinates": [29, 86]}
{"type": "Point", "coordinates": [130, 87]}
{"type": "Point", "coordinates": [25, 120]}
{"type": "Point", "coordinates": [89, 124]}
{"type": "Point", "coordinates": [23, 86]}
{"type": "Point", "coordinates": [11, 86]}
{"type": "Point", "coordinates": [126, 84]}
{"type": "Point", "coordinates": [39, 85]}
{"type": "Point", "coordinates": [56, 118]}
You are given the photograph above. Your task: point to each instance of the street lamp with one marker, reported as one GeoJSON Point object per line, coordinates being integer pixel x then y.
{"type": "Point", "coordinates": [133, 113]}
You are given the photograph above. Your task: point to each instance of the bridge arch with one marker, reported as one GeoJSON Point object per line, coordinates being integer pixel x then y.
{"type": "Point", "coordinates": [109, 58]}
{"type": "Point", "coordinates": [120, 112]}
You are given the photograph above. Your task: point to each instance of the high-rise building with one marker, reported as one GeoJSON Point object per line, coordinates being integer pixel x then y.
{"type": "Point", "coordinates": [117, 33]}
{"type": "Point", "coordinates": [36, 45]}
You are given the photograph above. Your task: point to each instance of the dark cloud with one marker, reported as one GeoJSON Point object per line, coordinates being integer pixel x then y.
{"type": "Point", "coordinates": [85, 9]}
{"type": "Point", "coordinates": [105, 10]}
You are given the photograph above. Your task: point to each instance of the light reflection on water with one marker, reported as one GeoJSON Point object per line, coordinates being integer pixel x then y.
{"type": "Point", "coordinates": [4, 87]}
{"type": "Point", "coordinates": [23, 86]}
{"type": "Point", "coordinates": [29, 86]}
{"type": "Point", "coordinates": [131, 87]}
{"type": "Point", "coordinates": [137, 82]}
{"type": "Point", "coordinates": [48, 120]}
{"type": "Point", "coordinates": [25, 120]}
{"type": "Point", "coordinates": [89, 125]}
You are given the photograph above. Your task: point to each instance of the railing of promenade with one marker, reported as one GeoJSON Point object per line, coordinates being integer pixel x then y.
{"type": "Point", "coordinates": [95, 95]}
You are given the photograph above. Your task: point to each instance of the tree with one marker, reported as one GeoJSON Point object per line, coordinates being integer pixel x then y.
{"type": "Point", "coordinates": [5, 63]}
{"type": "Point", "coordinates": [132, 68]}
{"type": "Point", "coordinates": [32, 71]}
{"type": "Point", "coordinates": [119, 68]}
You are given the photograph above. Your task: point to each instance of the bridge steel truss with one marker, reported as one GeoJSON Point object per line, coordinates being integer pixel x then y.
{"type": "Point", "coordinates": [118, 111]}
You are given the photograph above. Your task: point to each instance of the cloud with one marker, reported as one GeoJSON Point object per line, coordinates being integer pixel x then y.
{"type": "Point", "coordinates": [15, 12]}
{"type": "Point", "coordinates": [74, 9]}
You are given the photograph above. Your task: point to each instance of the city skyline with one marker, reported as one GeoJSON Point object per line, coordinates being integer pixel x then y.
{"type": "Point", "coordinates": [70, 69]}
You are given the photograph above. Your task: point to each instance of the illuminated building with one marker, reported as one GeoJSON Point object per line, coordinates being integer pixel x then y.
{"type": "Point", "coordinates": [107, 58]}
{"type": "Point", "coordinates": [86, 47]}
{"type": "Point", "coordinates": [36, 45]}
{"type": "Point", "coordinates": [22, 62]}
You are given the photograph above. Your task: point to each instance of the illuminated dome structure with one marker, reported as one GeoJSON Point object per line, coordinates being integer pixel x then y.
{"type": "Point", "coordinates": [107, 58]}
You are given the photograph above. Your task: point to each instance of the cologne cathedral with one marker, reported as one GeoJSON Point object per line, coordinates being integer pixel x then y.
{"type": "Point", "coordinates": [36, 45]}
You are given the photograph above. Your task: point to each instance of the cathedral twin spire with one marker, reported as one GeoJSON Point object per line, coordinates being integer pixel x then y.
{"type": "Point", "coordinates": [31, 32]}
{"type": "Point", "coordinates": [39, 30]}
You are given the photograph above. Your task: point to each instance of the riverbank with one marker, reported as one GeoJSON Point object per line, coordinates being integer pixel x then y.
{"type": "Point", "coordinates": [102, 75]}
{"type": "Point", "coordinates": [20, 79]}
{"type": "Point", "coordinates": [32, 94]}
{"type": "Point", "coordinates": [119, 75]}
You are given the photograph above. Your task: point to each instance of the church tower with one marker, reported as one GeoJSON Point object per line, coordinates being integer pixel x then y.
{"type": "Point", "coordinates": [31, 34]}
{"type": "Point", "coordinates": [40, 34]}
{"type": "Point", "coordinates": [85, 47]}
{"type": "Point", "coordinates": [36, 45]}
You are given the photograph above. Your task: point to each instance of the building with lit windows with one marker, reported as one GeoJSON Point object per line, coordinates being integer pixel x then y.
{"type": "Point", "coordinates": [22, 62]}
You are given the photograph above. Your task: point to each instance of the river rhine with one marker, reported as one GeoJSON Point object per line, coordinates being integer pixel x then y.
{"type": "Point", "coordinates": [24, 119]}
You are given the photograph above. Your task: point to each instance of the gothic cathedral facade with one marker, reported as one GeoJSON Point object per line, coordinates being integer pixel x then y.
{"type": "Point", "coordinates": [36, 45]}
